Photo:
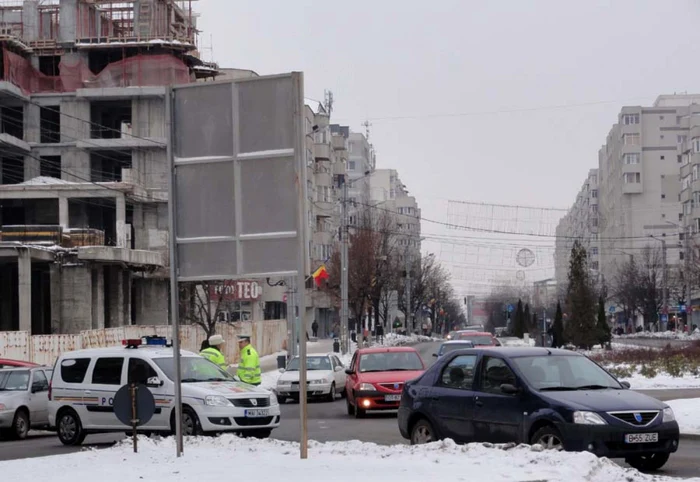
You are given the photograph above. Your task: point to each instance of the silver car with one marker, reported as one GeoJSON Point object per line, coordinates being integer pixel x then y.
{"type": "Point", "coordinates": [24, 399]}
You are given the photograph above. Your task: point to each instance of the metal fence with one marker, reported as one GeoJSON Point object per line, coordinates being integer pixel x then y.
{"type": "Point", "coordinates": [266, 336]}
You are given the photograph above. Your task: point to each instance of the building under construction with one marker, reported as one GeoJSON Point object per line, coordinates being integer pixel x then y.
{"type": "Point", "coordinates": [83, 166]}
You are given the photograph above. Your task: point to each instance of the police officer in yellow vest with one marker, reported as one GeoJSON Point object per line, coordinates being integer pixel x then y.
{"type": "Point", "coordinates": [249, 367]}
{"type": "Point", "coordinates": [213, 353]}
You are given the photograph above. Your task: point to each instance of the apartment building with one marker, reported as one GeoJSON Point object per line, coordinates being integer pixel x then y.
{"type": "Point", "coordinates": [580, 223]}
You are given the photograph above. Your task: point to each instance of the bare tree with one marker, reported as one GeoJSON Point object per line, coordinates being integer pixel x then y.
{"type": "Point", "coordinates": [626, 289]}
{"type": "Point", "coordinates": [201, 304]}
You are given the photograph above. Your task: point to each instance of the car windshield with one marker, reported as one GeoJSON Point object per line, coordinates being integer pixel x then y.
{"type": "Point", "coordinates": [312, 363]}
{"type": "Point", "coordinates": [551, 373]}
{"type": "Point", "coordinates": [448, 347]}
{"type": "Point", "coordinates": [194, 369]}
{"type": "Point", "coordinates": [14, 380]}
{"type": "Point", "coordinates": [390, 362]}
{"type": "Point", "coordinates": [476, 339]}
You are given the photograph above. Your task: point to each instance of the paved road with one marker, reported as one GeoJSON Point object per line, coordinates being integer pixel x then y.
{"type": "Point", "coordinates": [330, 422]}
{"type": "Point", "coordinates": [653, 342]}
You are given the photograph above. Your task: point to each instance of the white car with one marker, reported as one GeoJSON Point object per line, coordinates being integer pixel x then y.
{"type": "Point", "coordinates": [23, 400]}
{"type": "Point", "coordinates": [84, 383]}
{"type": "Point", "coordinates": [325, 377]}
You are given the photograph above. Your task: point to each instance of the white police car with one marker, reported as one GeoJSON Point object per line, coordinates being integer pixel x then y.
{"type": "Point", "coordinates": [84, 382]}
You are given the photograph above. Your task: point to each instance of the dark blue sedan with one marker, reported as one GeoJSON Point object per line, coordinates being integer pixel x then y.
{"type": "Point", "coordinates": [559, 399]}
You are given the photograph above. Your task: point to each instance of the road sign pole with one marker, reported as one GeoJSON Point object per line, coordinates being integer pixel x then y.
{"type": "Point", "coordinates": [174, 289]}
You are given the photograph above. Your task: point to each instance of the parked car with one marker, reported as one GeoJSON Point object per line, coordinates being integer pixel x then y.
{"type": "Point", "coordinates": [325, 377]}
{"type": "Point", "coordinates": [24, 399]}
{"type": "Point", "coordinates": [559, 399]}
{"type": "Point", "coordinates": [479, 338]}
{"type": "Point", "coordinates": [376, 377]}
{"type": "Point", "coordinates": [453, 345]}
{"type": "Point", "coordinates": [213, 401]}
{"type": "Point", "coordinates": [9, 363]}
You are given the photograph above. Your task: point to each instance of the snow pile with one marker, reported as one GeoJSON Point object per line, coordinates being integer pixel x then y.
{"type": "Point", "coordinates": [267, 460]}
{"type": "Point", "coordinates": [671, 335]}
{"type": "Point", "coordinates": [687, 414]}
{"type": "Point", "coordinates": [660, 380]}
{"type": "Point", "coordinates": [514, 341]}
{"type": "Point", "coordinates": [394, 339]}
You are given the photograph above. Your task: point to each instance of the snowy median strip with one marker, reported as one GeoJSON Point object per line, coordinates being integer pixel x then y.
{"type": "Point", "coordinates": [229, 457]}
{"type": "Point", "coordinates": [687, 415]}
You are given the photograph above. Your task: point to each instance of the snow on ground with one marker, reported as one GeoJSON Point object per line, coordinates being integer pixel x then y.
{"type": "Point", "coordinates": [267, 460]}
{"type": "Point", "coordinates": [394, 339]}
{"type": "Point", "coordinates": [673, 335]}
{"type": "Point", "coordinates": [687, 414]}
{"type": "Point", "coordinates": [662, 381]}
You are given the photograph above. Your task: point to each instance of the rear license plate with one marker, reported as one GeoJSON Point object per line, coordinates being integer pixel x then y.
{"type": "Point", "coordinates": [392, 398]}
{"type": "Point", "coordinates": [257, 412]}
{"type": "Point", "coordinates": [641, 438]}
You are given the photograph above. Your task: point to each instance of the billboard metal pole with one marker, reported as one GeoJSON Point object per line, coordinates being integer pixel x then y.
{"type": "Point", "coordinates": [174, 292]}
{"type": "Point", "coordinates": [300, 140]}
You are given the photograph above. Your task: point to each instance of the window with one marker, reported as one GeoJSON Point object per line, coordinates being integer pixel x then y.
{"type": "Point", "coordinates": [632, 178]}
{"type": "Point", "coordinates": [391, 361]}
{"type": "Point", "coordinates": [594, 193]}
{"type": "Point", "coordinates": [50, 124]}
{"type": "Point", "coordinates": [594, 265]}
{"type": "Point", "coordinates": [459, 373]}
{"type": "Point", "coordinates": [679, 158]}
{"type": "Point", "coordinates": [663, 158]}
{"type": "Point", "coordinates": [696, 172]}
{"type": "Point", "coordinates": [696, 144]}
{"type": "Point", "coordinates": [40, 381]}
{"type": "Point", "coordinates": [594, 208]}
{"type": "Point", "coordinates": [73, 370]}
{"type": "Point", "coordinates": [351, 165]}
{"type": "Point", "coordinates": [594, 250]}
{"type": "Point", "coordinates": [275, 310]}
{"type": "Point", "coordinates": [140, 371]}
{"type": "Point", "coordinates": [681, 139]}
{"type": "Point", "coordinates": [631, 139]}
{"type": "Point", "coordinates": [108, 371]}
{"type": "Point", "coordinates": [494, 373]}
{"type": "Point", "coordinates": [194, 369]}
{"type": "Point", "coordinates": [631, 158]}
{"type": "Point", "coordinates": [630, 119]}
{"type": "Point", "coordinates": [50, 166]}
{"type": "Point", "coordinates": [551, 372]}
{"type": "Point", "coordinates": [241, 310]}
{"type": "Point", "coordinates": [685, 182]}
{"type": "Point", "coordinates": [14, 380]}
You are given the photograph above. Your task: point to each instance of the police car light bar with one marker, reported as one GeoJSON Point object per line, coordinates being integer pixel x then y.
{"type": "Point", "coordinates": [146, 340]}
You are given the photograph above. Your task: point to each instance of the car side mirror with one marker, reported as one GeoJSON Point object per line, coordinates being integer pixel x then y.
{"type": "Point", "coordinates": [349, 371]}
{"type": "Point", "coordinates": [626, 385]}
{"type": "Point", "coordinates": [154, 382]}
{"type": "Point", "coordinates": [338, 368]}
{"type": "Point", "coordinates": [509, 389]}
{"type": "Point", "coordinates": [281, 370]}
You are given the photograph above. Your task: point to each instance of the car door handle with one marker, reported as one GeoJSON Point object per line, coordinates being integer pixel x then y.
{"type": "Point", "coordinates": [478, 403]}
{"type": "Point", "coordinates": [88, 392]}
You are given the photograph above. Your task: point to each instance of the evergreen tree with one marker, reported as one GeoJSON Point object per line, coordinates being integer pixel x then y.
{"type": "Point", "coordinates": [535, 327]}
{"type": "Point", "coordinates": [581, 326]}
{"type": "Point", "coordinates": [526, 319]}
{"type": "Point", "coordinates": [558, 328]}
{"type": "Point", "coordinates": [519, 322]}
{"type": "Point", "coordinates": [603, 329]}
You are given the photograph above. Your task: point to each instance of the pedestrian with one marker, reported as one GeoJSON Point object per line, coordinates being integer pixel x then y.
{"type": "Point", "coordinates": [314, 329]}
{"type": "Point", "coordinates": [249, 366]}
{"type": "Point", "coordinates": [214, 352]}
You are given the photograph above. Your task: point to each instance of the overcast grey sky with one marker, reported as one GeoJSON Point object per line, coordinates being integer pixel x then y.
{"type": "Point", "coordinates": [442, 81]}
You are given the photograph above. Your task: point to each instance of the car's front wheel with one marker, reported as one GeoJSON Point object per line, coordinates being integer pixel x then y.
{"type": "Point", "coordinates": [20, 425]}
{"type": "Point", "coordinates": [422, 433]}
{"type": "Point", "coordinates": [549, 438]}
{"type": "Point", "coordinates": [331, 393]}
{"type": "Point", "coordinates": [648, 462]}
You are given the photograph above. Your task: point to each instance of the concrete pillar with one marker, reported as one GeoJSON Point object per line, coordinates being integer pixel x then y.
{"type": "Point", "coordinates": [56, 296]}
{"type": "Point", "coordinates": [67, 28]}
{"type": "Point", "coordinates": [121, 222]}
{"type": "Point", "coordinates": [115, 297]}
{"type": "Point", "coordinates": [30, 20]}
{"type": "Point", "coordinates": [98, 298]}
{"type": "Point", "coordinates": [63, 213]}
{"type": "Point", "coordinates": [32, 121]}
{"type": "Point", "coordinates": [24, 271]}
{"type": "Point", "coordinates": [126, 288]}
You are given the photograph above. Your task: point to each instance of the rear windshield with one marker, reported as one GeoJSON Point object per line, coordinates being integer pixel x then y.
{"type": "Point", "coordinates": [448, 347]}
{"type": "Point", "coordinates": [14, 380]}
{"type": "Point", "coordinates": [477, 340]}
{"type": "Point", "coordinates": [390, 362]}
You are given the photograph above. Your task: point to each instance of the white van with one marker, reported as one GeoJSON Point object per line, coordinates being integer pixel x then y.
{"type": "Point", "coordinates": [84, 382]}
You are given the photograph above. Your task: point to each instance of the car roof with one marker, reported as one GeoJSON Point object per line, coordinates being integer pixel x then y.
{"type": "Point", "coordinates": [457, 342]}
{"type": "Point", "coordinates": [19, 363]}
{"type": "Point", "coordinates": [519, 351]}
{"type": "Point", "coordinates": [476, 333]}
{"type": "Point", "coordinates": [14, 369]}
{"type": "Point", "coordinates": [387, 349]}
{"type": "Point", "coordinates": [156, 351]}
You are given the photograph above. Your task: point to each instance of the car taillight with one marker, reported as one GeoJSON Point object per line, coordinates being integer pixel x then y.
{"type": "Point", "coordinates": [50, 389]}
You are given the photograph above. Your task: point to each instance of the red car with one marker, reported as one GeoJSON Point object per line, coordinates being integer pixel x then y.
{"type": "Point", "coordinates": [376, 377]}
{"type": "Point", "coordinates": [7, 363]}
{"type": "Point", "coordinates": [479, 338]}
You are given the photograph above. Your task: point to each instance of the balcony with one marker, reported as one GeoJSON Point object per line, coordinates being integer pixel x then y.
{"type": "Point", "coordinates": [322, 152]}
{"type": "Point", "coordinates": [340, 143]}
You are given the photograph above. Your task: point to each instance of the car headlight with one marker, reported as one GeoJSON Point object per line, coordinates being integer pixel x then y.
{"type": "Point", "coordinates": [588, 418]}
{"type": "Point", "coordinates": [283, 382]}
{"type": "Point", "coordinates": [217, 401]}
{"type": "Point", "coordinates": [366, 387]}
{"type": "Point", "coordinates": [669, 416]}
{"type": "Point", "coordinates": [273, 399]}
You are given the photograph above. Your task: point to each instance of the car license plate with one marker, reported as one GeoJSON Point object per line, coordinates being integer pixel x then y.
{"type": "Point", "coordinates": [392, 398]}
{"type": "Point", "coordinates": [257, 412]}
{"type": "Point", "coordinates": [641, 438]}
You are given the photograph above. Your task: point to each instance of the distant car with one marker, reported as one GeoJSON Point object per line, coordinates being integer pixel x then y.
{"type": "Point", "coordinates": [376, 377]}
{"type": "Point", "coordinates": [325, 377]}
{"type": "Point", "coordinates": [558, 399]}
{"type": "Point", "coordinates": [24, 400]}
{"type": "Point", "coordinates": [452, 345]}
{"type": "Point", "coordinates": [8, 363]}
{"type": "Point", "coordinates": [479, 338]}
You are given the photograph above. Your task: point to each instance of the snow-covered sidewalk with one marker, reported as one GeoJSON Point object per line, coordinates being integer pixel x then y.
{"type": "Point", "coordinates": [671, 335]}
{"type": "Point", "coordinates": [687, 412]}
{"type": "Point", "coordinates": [229, 457]}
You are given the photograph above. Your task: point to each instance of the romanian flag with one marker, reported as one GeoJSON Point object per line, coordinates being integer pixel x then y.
{"type": "Point", "coordinates": [320, 274]}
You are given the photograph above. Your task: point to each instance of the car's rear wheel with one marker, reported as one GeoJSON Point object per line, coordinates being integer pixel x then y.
{"type": "Point", "coordinates": [549, 438]}
{"type": "Point", "coordinates": [69, 428]}
{"type": "Point", "coordinates": [648, 462]}
{"type": "Point", "coordinates": [423, 433]}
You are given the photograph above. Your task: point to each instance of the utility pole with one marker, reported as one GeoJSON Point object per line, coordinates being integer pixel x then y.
{"type": "Point", "coordinates": [665, 285]}
{"type": "Point", "coordinates": [409, 300]}
{"type": "Point", "coordinates": [291, 321]}
{"type": "Point", "coordinates": [344, 241]}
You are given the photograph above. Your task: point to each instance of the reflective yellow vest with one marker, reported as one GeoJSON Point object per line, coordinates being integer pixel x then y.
{"type": "Point", "coordinates": [249, 367]}
{"type": "Point", "coordinates": [214, 356]}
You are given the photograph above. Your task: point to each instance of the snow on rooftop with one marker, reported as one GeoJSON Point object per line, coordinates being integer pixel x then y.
{"type": "Point", "coordinates": [207, 458]}
{"type": "Point", "coordinates": [45, 181]}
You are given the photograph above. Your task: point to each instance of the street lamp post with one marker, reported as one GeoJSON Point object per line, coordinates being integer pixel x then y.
{"type": "Point", "coordinates": [664, 288]}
